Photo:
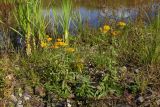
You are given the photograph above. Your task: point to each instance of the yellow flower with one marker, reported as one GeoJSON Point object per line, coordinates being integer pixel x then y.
{"type": "Point", "coordinates": [61, 44]}
{"type": "Point", "coordinates": [115, 33]}
{"type": "Point", "coordinates": [54, 47]}
{"type": "Point", "coordinates": [105, 29]}
{"type": "Point", "coordinates": [64, 44]}
{"type": "Point", "coordinates": [70, 49]}
{"type": "Point", "coordinates": [58, 43]}
{"type": "Point", "coordinates": [59, 40]}
{"type": "Point", "coordinates": [49, 39]}
{"type": "Point", "coordinates": [121, 24]}
{"type": "Point", "coordinates": [43, 44]}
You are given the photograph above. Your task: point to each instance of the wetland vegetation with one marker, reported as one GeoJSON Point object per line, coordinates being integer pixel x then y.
{"type": "Point", "coordinates": [79, 53]}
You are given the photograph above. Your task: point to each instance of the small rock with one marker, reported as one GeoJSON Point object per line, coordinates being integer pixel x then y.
{"type": "Point", "coordinates": [26, 96]}
{"type": "Point", "coordinates": [147, 104]}
{"type": "Point", "coordinates": [139, 100]}
{"type": "Point", "coordinates": [158, 102]}
{"type": "Point", "coordinates": [60, 104]}
{"type": "Point", "coordinates": [149, 92]}
{"type": "Point", "coordinates": [72, 96]}
{"type": "Point", "coordinates": [13, 98]}
{"type": "Point", "coordinates": [20, 103]}
{"type": "Point", "coordinates": [136, 71]}
{"type": "Point", "coordinates": [69, 103]}
{"type": "Point", "coordinates": [122, 105]}
{"type": "Point", "coordinates": [19, 106]}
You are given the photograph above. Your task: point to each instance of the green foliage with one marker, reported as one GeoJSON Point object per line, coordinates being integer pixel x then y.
{"type": "Point", "coordinates": [33, 25]}
{"type": "Point", "coordinates": [139, 46]}
{"type": "Point", "coordinates": [65, 74]}
{"type": "Point", "coordinates": [66, 18]}
{"type": "Point", "coordinates": [84, 88]}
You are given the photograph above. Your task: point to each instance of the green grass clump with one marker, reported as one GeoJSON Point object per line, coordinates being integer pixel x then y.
{"type": "Point", "coordinates": [66, 18]}
{"type": "Point", "coordinates": [30, 20]}
{"type": "Point", "coordinates": [66, 73]}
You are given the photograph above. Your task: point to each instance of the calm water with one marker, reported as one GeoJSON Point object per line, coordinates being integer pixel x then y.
{"type": "Point", "coordinates": [96, 12]}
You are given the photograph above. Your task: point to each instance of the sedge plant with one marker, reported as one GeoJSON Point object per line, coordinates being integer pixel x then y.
{"type": "Point", "coordinates": [31, 23]}
{"type": "Point", "coordinates": [66, 18]}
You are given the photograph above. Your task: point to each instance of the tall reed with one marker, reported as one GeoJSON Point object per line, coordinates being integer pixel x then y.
{"type": "Point", "coordinates": [30, 20]}
{"type": "Point", "coordinates": [66, 18]}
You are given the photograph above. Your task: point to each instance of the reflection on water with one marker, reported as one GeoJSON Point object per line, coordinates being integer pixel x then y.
{"type": "Point", "coordinates": [96, 12]}
{"type": "Point", "coordinates": [92, 4]}
{"type": "Point", "coordinates": [127, 10]}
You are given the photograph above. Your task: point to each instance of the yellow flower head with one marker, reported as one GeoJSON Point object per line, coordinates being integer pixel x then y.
{"type": "Point", "coordinates": [61, 44]}
{"type": "Point", "coordinates": [121, 24]}
{"type": "Point", "coordinates": [105, 29]}
{"type": "Point", "coordinates": [70, 49]}
{"type": "Point", "coordinates": [115, 33]}
{"type": "Point", "coordinates": [49, 39]}
{"type": "Point", "coordinates": [58, 43]}
{"type": "Point", "coordinates": [54, 47]}
{"type": "Point", "coordinates": [43, 44]}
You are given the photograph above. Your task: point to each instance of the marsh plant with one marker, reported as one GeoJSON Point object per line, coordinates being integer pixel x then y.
{"type": "Point", "coordinates": [31, 22]}
{"type": "Point", "coordinates": [66, 18]}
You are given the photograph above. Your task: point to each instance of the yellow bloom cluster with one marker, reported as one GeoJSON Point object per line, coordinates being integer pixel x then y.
{"type": "Point", "coordinates": [115, 33]}
{"type": "Point", "coordinates": [54, 47]}
{"type": "Point", "coordinates": [43, 44]}
{"type": "Point", "coordinates": [49, 39]}
{"type": "Point", "coordinates": [60, 44]}
{"type": "Point", "coordinates": [121, 24]}
{"type": "Point", "coordinates": [112, 31]}
{"type": "Point", "coordinates": [105, 28]}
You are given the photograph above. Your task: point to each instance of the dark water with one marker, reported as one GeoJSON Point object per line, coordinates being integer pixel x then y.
{"type": "Point", "coordinates": [96, 12]}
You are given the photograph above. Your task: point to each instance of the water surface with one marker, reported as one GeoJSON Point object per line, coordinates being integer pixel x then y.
{"type": "Point", "coordinates": [96, 12]}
